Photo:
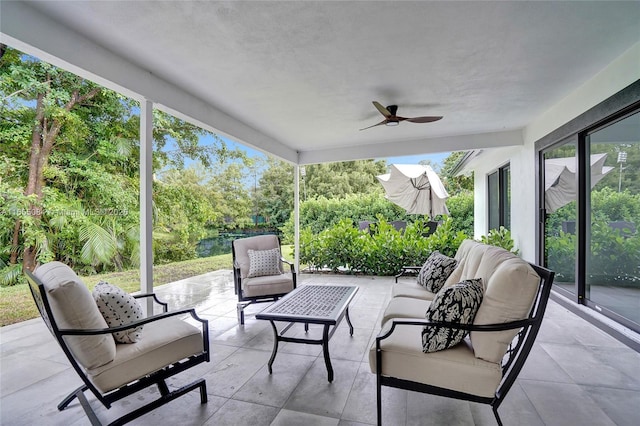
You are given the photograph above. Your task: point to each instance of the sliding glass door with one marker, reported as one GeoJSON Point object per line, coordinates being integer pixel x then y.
{"type": "Point", "coordinates": [591, 184]}
{"type": "Point", "coordinates": [613, 206]}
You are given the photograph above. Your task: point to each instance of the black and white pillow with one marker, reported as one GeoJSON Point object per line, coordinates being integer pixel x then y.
{"type": "Point", "coordinates": [435, 271]}
{"type": "Point", "coordinates": [118, 308]}
{"type": "Point", "coordinates": [264, 262]}
{"type": "Point", "coordinates": [456, 304]}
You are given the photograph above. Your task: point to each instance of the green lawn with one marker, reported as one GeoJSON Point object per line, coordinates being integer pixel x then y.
{"type": "Point", "coordinates": [16, 303]}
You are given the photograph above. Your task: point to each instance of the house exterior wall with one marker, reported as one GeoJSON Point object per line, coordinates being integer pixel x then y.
{"type": "Point", "coordinates": [622, 72]}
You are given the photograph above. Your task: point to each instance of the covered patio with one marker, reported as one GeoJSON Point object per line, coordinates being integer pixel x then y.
{"type": "Point", "coordinates": [296, 80]}
{"type": "Point", "coordinates": [576, 374]}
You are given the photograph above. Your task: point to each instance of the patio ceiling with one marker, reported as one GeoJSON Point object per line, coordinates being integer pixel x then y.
{"type": "Point", "coordinates": [296, 79]}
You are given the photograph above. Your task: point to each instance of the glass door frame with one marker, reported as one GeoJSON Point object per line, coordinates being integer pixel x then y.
{"type": "Point", "coordinates": [617, 107]}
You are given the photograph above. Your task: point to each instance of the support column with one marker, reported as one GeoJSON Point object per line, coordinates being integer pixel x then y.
{"type": "Point", "coordinates": [146, 213]}
{"type": "Point", "coordinates": [296, 214]}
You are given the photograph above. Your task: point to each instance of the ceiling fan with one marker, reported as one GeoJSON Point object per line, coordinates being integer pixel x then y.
{"type": "Point", "coordinates": [391, 119]}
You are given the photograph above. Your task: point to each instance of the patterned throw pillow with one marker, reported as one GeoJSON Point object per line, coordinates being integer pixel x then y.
{"type": "Point", "coordinates": [435, 271]}
{"type": "Point", "coordinates": [118, 308]}
{"type": "Point", "coordinates": [457, 304]}
{"type": "Point", "coordinates": [264, 262]}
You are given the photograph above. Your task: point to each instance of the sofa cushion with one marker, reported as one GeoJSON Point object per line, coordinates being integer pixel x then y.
{"type": "Point", "coordinates": [455, 304]}
{"type": "Point", "coordinates": [162, 343]}
{"type": "Point", "coordinates": [118, 308]}
{"type": "Point", "coordinates": [456, 368]}
{"type": "Point", "coordinates": [264, 262]}
{"type": "Point", "coordinates": [509, 296]}
{"type": "Point", "coordinates": [267, 285]}
{"type": "Point", "coordinates": [435, 271]}
{"type": "Point", "coordinates": [73, 307]}
{"type": "Point", "coordinates": [411, 289]}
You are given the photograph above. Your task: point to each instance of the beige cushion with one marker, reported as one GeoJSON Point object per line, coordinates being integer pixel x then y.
{"type": "Point", "coordinates": [456, 368]}
{"type": "Point", "coordinates": [262, 286]}
{"type": "Point", "coordinates": [163, 342]}
{"type": "Point", "coordinates": [411, 289]}
{"type": "Point", "coordinates": [510, 287]}
{"type": "Point", "coordinates": [242, 245]}
{"type": "Point", "coordinates": [405, 307]}
{"type": "Point", "coordinates": [509, 296]}
{"type": "Point", "coordinates": [73, 307]}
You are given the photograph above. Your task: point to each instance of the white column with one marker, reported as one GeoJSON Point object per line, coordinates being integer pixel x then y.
{"type": "Point", "coordinates": [296, 214]}
{"type": "Point", "coordinates": [146, 183]}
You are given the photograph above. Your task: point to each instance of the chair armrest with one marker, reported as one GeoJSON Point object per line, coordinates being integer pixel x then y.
{"type": "Point", "coordinates": [291, 264]}
{"type": "Point", "coordinates": [134, 324]}
{"type": "Point", "coordinates": [384, 333]}
{"type": "Point", "coordinates": [165, 306]}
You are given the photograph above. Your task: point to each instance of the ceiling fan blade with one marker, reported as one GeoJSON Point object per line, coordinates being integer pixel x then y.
{"type": "Point", "coordinates": [379, 124]}
{"type": "Point", "coordinates": [382, 109]}
{"type": "Point", "coordinates": [423, 119]}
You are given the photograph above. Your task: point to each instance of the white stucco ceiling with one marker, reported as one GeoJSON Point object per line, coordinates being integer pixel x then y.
{"type": "Point", "coordinates": [299, 77]}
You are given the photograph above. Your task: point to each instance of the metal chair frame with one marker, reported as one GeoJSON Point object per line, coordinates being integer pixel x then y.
{"type": "Point", "coordinates": [157, 378]}
{"type": "Point", "coordinates": [512, 362]}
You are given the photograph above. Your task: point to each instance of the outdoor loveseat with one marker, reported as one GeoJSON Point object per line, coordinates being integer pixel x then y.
{"type": "Point", "coordinates": [482, 368]}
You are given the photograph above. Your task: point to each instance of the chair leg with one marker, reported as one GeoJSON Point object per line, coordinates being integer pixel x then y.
{"type": "Point", "coordinates": [67, 400]}
{"type": "Point", "coordinates": [495, 413]}
{"type": "Point", "coordinates": [240, 308]}
{"type": "Point", "coordinates": [87, 409]}
{"type": "Point", "coordinates": [378, 401]}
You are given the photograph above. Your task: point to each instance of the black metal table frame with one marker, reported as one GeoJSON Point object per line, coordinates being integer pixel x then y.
{"type": "Point", "coordinates": [330, 325]}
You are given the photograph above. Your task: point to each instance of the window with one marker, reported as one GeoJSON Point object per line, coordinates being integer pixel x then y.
{"type": "Point", "coordinates": [499, 195]}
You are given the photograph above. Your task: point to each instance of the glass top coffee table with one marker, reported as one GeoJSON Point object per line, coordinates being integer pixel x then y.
{"type": "Point", "coordinates": [310, 304]}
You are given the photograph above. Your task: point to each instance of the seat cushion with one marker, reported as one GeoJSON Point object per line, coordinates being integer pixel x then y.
{"type": "Point", "coordinates": [118, 308]}
{"type": "Point", "coordinates": [405, 307]}
{"type": "Point", "coordinates": [456, 304]}
{"type": "Point", "coordinates": [435, 271]}
{"type": "Point", "coordinates": [267, 285]}
{"type": "Point", "coordinates": [264, 262]}
{"type": "Point", "coordinates": [73, 307]}
{"type": "Point", "coordinates": [411, 289]}
{"type": "Point", "coordinates": [456, 368]}
{"type": "Point", "coordinates": [162, 343]}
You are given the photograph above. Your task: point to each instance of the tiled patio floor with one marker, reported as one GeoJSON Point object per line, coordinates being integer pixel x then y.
{"type": "Point", "coordinates": [576, 374]}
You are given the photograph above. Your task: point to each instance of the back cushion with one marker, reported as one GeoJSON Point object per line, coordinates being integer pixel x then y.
{"type": "Point", "coordinates": [509, 295]}
{"type": "Point", "coordinates": [73, 307]}
{"type": "Point", "coordinates": [242, 245]}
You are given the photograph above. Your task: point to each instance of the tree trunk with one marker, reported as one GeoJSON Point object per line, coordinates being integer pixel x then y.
{"type": "Point", "coordinates": [43, 139]}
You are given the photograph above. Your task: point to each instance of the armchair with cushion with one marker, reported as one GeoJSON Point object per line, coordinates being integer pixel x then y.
{"type": "Point", "coordinates": [163, 344]}
{"type": "Point", "coordinates": [258, 272]}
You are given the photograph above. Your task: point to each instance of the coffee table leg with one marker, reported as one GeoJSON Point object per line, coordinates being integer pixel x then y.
{"type": "Point", "coordinates": [349, 322]}
{"type": "Point", "coordinates": [275, 347]}
{"type": "Point", "coordinates": [325, 350]}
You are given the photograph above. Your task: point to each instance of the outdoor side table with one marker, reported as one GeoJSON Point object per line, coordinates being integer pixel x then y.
{"type": "Point", "coordinates": [310, 304]}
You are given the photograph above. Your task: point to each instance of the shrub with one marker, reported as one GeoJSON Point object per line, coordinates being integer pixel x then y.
{"type": "Point", "coordinates": [381, 252]}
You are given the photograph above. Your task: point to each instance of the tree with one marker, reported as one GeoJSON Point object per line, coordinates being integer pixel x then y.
{"type": "Point", "coordinates": [337, 180]}
{"type": "Point", "coordinates": [235, 204]}
{"type": "Point", "coordinates": [455, 184]}
{"type": "Point", "coordinates": [275, 192]}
